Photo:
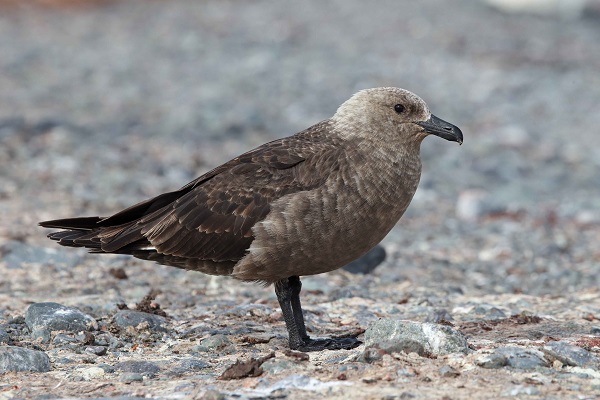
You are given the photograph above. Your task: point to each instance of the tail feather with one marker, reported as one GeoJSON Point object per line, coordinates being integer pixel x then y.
{"type": "Point", "coordinates": [86, 232]}
{"type": "Point", "coordinates": [80, 224]}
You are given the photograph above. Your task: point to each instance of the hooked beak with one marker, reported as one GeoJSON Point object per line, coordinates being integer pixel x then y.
{"type": "Point", "coordinates": [443, 129]}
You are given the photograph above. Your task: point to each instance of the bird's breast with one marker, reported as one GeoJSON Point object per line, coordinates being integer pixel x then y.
{"type": "Point", "coordinates": [323, 229]}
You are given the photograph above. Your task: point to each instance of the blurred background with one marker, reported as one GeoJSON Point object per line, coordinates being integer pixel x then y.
{"type": "Point", "coordinates": [105, 103]}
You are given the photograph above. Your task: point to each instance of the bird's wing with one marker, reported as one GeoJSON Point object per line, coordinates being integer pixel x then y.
{"type": "Point", "coordinates": [213, 217]}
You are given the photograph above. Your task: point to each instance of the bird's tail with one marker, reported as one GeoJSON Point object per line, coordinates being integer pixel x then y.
{"type": "Point", "coordinates": [88, 232]}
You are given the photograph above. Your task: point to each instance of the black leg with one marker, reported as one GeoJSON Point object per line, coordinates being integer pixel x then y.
{"type": "Point", "coordinates": [296, 286]}
{"type": "Point", "coordinates": [288, 295]}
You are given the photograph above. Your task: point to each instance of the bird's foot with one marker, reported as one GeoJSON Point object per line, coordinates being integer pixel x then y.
{"type": "Point", "coordinates": [346, 343]}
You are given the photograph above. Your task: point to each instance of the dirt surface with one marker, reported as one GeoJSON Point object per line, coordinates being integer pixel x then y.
{"type": "Point", "coordinates": [105, 105]}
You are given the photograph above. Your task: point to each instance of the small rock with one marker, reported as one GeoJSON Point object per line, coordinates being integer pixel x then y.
{"type": "Point", "coordinates": [97, 350]}
{"type": "Point", "coordinates": [145, 368]}
{"type": "Point", "coordinates": [193, 364]}
{"type": "Point", "coordinates": [188, 365]}
{"type": "Point", "coordinates": [44, 318]}
{"type": "Point", "coordinates": [438, 316]}
{"type": "Point", "coordinates": [522, 358]}
{"type": "Point", "coordinates": [131, 377]}
{"type": "Point", "coordinates": [126, 318]}
{"type": "Point", "coordinates": [18, 359]}
{"type": "Point", "coordinates": [371, 355]}
{"type": "Point", "coordinates": [276, 366]}
{"type": "Point", "coordinates": [595, 330]}
{"type": "Point", "coordinates": [109, 369]}
{"type": "Point", "coordinates": [569, 354]}
{"type": "Point", "coordinates": [91, 373]}
{"type": "Point", "coordinates": [4, 338]}
{"type": "Point", "coordinates": [216, 342]}
{"type": "Point", "coordinates": [492, 361]}
{"type": "Point", "coordinates": [425, 339]}
{"type": "Point", "coordinates": [367, 263]}
{"type": "Point", "coordinates": [521, 390]}
{"type": "Point", "coordinates": [448, 372]}
{"type": "Point", "coordinates": [213, 395]}
{"type": "Point", "coordinates": [489, 312]}
{"type": "Point", "coordinates": [61, 339]}
{"type": "Point", "coordinates": [250, 310]}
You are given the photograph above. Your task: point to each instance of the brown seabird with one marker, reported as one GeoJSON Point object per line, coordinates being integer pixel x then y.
{"type": "Point", "coordinates": [302, 205]}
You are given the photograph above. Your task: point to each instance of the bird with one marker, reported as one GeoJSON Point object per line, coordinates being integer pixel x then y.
{"type": "Point", "coordinates": [301, 205]}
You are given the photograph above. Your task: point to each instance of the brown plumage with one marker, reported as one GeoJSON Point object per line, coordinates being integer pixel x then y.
{"type": "Point", "coordinates": [301, 205]}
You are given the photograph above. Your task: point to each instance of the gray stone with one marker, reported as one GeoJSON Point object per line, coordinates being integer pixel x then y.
{"type": "Point", "coordinates": [436, 316]}
{"type": "Point", "coordinates": [276, 366]}
{"type": "Point", "coordinates": [448, 372]}
{"type": "Point", "coordinates": [489, 312]}
{"type": "Point", "coordinates": [109, 369]}
{"type": "Point", "coordinates": [569, 354]}
{"type": "Point", "coordinates": [145, 368]}
{"type": "Point", "coordinates": [131, 377]}
{"type": "Point", "coordinates": [193, 364]}
{"type": "Point", "coordinates": [367, 263]}
{"type": "Point", "coordinates": [522, 358]}
{"type": "Point", "coordinates": [492, 361]}
{"type": "Point", "coordinates": [521, 390]}
{"type": "Point", "coordinates": [18, 359]}
{"type": "Point", "coordinates": [125, 318]}
{"type": "Point", "coordinates": [4, 338]}
{"type": "Point", "coordinates": [425, 339]}
{"type": "Point", "coordinates": [188, 365]}
{"type": "Point", "coordinates": [97, 350]}
{"type": "Point", "coordinates": [212, 394]}
{"type": "Point", "coordinates": [215, 342]}
{"type": "Point", "coordinates": [44, 318]}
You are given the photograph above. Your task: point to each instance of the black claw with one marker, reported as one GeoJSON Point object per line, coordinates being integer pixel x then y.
{"type": "Point", "coordinates": [288, 295]}
{"type": "Point", "coordinates": [346, 343]}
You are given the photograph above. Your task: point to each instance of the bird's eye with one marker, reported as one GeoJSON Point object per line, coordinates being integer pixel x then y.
{"type": "Point", "coordinates": [399, 108]}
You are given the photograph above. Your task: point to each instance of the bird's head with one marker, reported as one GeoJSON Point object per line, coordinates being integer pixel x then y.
{"type": "Point", "coordinates": [388, 110]}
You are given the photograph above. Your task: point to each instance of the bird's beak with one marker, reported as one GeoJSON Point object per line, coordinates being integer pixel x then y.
{"type": "Point", "coordinates": [443, 129]}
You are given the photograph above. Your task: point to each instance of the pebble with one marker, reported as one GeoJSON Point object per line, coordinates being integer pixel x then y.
{"type": "Point", "coordinates": [489, 312]}
{"type": "Point", "coordinates": [569, 354]}
{"type": "Point", "coordinates": [188, 365]}
{"type": "Point", "coordinates": [4, 337]}
{"type": "Point", "coordinates": [19, 359]}
{"type": "Point", "coordinates": [215, 342]}
{"type": "Point", "coordinates": [126, 318]}
{"type": "Point", "coordinates": [44, 318]}
{"type": "Point", "coordinates": [436, 316]}
{"type": "Point", "coordinates": [425, 339]}
{"type": "Point", "coordinates": [275, 366]}
{"type": "Point", "coordinates": [492, 361]}
{"type": "Point", "coordinates": [367, 263]}
{"type": "Point", "coordinates": [212, 394]}
{"type": "Point", "coordinates": [91, 373]}
{"type": "Point", "coordinates": [448, 372]}
{"type": "Point", "coordinates": [131, 377]}
{"type": "Point", "coordinates": [520, 358]}
{"type": "Point", "coordinates": [97, 350]}
{"type": "Point", "coordinates": [145, 368]}
{"type": "Point", "coordinates": [521, 390]}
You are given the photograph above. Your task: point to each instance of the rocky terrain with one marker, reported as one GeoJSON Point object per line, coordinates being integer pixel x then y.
{"type": "Point", "coordinates": [489, 287]}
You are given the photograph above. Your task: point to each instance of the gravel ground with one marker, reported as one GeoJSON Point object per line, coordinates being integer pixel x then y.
{"type": "Point", "coordinates": [103, 106]}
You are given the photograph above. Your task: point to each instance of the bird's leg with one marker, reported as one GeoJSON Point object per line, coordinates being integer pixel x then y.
{"type": "Point", "coordinates": [296, 286]}
{"type": "Point", "coordinates": [288, 295]}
